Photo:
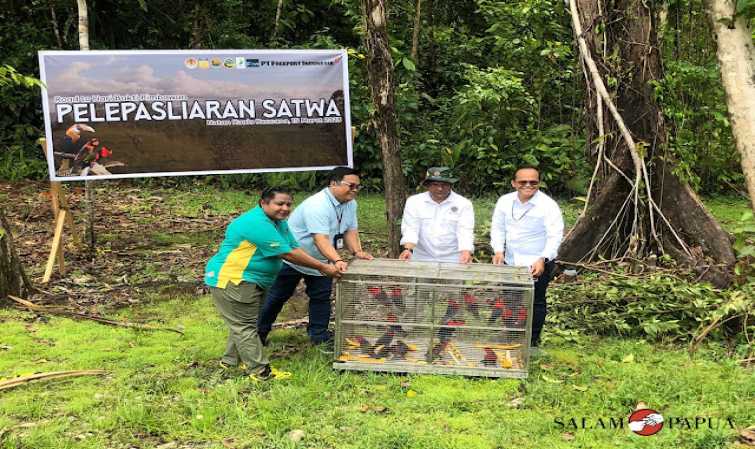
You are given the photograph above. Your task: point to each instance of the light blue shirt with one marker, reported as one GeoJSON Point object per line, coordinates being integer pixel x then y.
{"type": "Point", "coordinates": [321, 213]}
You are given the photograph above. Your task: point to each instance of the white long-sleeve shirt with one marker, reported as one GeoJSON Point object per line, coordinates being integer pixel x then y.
{"type": "Point", "coordinates": [440, 230]}
{"type": "Point", "coordinates": [526, 232]}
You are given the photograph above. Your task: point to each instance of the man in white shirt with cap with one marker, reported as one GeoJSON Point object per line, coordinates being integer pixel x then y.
{"type": "Point", "coordinates": [438, 225]}
{"type": "Point", "coordinates": [527, 230]}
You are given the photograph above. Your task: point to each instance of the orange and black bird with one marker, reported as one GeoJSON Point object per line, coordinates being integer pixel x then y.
{"type": "Point", "coordinates": [73, 142]}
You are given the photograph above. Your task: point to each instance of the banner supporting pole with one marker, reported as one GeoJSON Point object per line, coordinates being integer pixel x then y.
{"type": "Point", "coordinates": [62, 215]}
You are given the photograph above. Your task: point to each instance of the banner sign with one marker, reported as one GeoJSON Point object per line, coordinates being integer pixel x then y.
{"type": "Point", "coordinates": [125, 114]}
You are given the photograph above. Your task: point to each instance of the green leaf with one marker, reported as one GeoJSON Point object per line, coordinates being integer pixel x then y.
{"type": "Point", "coordinates": [746, 8]}
{"type": "Point", "coordinates": [408, 64]}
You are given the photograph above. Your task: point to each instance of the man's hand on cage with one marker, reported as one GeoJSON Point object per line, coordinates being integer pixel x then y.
{"type": "Point", "coordinates": [363, 255]}
{"type": "Point", "coordinates": [537, 268]}
{"type": "Point", "coordinates": [498, 258]}
{"type": "Point", "coordinates": [330, 271]}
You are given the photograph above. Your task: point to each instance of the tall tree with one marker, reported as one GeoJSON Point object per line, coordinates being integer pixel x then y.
{"type": "Point", "coordinates": [737, 60]}
{"type": "Point", "coordinates": [276, 25]}
{"type": "Point", "coordinates": [88, 187]}
{"type": "Point", "coordinates": [640, 207]}
{"type": "Point", "coordinates": [13, 279]}
{"type": "Point", "coordinates": [380, 73]}
{"type": "Point", "coordinates": [415, 30]}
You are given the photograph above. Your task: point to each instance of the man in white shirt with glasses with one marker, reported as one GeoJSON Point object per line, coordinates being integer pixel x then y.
{"type": "Point", "coordinates": [527, 230]}
{"type": "Point", "coordinates": [438, 225]}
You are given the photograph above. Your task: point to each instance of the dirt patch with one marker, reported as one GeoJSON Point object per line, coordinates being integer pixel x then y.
{"type": "Point", "coordinates": [146, 249]}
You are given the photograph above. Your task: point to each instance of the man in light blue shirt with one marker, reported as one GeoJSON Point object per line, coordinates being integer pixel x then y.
{"type": "Point", "coordinates": [322, 224]}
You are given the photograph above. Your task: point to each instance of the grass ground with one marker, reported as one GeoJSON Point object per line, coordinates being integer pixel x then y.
{"type": "Point", "coordinates": [167, 390]}
{"type": "Point", "coordinates": [164, 390]}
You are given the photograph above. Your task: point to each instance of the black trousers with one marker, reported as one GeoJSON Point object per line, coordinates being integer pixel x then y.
{"type": "Point", "coordinates": [540, 308]}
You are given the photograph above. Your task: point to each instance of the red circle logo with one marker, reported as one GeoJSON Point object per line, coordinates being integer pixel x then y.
{"type": "Point", "coordinates": [645, 422]}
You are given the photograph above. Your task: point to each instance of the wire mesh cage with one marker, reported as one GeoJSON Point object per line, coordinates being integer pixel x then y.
{"type": "Point", "coordinates": [438, 318]}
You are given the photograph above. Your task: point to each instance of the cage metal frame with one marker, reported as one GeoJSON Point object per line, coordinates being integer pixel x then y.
{"type": "Point", "coordinates": [514, 278]}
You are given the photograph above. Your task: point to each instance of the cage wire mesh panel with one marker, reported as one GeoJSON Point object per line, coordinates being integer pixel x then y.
{"type": "Point", "coordinates": [404, 316]}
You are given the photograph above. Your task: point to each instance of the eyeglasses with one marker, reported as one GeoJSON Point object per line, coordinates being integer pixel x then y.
{"type": "Point", "coordinates": [352, 186]}
{"type": "Point", "coordinates": [528, 183]}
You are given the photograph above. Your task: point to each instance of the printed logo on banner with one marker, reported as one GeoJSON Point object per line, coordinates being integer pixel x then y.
{"type": "Point", "coordinates": [229, 63]}
{"type": "Point", "coordinates": [216, 62]}
{"type": "Point", "coordinates": [296, 63]}
{"type": "Point", "coordinates": [203, 63]}
{"type": "Point", "coordinates": [191, 62]}
{"type": "Point", "coordinates": [252, 62]}
{"type": "Point", "coordinates": [240, 62]}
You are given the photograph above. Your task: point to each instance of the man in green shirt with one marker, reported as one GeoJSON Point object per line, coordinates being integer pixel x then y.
{"type": "Point", "coordinates": [245, 265]}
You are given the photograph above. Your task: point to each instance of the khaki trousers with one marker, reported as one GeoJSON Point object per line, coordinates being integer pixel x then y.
{"type": "Point", "coordinates": [239, 305]}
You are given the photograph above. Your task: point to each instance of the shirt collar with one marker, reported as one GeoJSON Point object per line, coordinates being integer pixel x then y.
{"type": "Point", "coordinates": [535, 200]}
{"type": "Point", "coordinates": [333, 200]}
{"type": "Point", "coordinates": [429, 198]}
{"type": "Point", "coordinates": [259, 211]}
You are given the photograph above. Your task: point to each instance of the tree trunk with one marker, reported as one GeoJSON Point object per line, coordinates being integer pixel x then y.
{"type": "Point", "coordinates": [380, 72]}
{"type": "Point", "coordinates": [737, 60]}
{"type": "Point", "coordinates": [83, 25]}
{"type": "Point", "coordinates": [640, 207]}
{"type": "Point", "coordinates": [197, 33]}
{"type": "Point", "coordinates": [13, 280]}
{"type": "Point", "coordinates": [415, 32]}
{"type": "Point", "coordinates": [54, 20]}
{"type": "Point", "coordinates": [278, 11]}
{"type": "Point", "coordinates": [88, 187]}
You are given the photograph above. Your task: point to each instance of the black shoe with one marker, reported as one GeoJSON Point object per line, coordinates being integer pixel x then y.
{"type": "Point", "coordinates": [264, 374]}
{"type": "Point", "coordinates": [327, 347]}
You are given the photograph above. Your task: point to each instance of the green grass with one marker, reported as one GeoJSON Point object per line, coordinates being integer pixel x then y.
{"type": "Point", "coordinates": [163, 387]}
{"type": "Point", "coordinates": [727, 209]}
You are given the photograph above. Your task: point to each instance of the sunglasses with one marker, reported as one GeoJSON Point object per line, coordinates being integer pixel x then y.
{"type": "Point", "coordinates": [528, 183]}
{"type": "Point", "coordinates": [352, 186]}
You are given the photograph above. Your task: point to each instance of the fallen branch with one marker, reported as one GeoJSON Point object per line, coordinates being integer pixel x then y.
{"type": "Point", "coordinates": [291, 324]}
{"type": "Point", "coordinates": [11, 383]}
{"type": "Point", "coordinates": [58, 311]}
{"type": "Point", "coordinates": [592, 268]}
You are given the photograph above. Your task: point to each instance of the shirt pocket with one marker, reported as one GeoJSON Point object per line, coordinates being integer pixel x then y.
{"type": "Point", "coordinates": [447, 227]}
{"type": "Point", "coordinates": [534, 221]}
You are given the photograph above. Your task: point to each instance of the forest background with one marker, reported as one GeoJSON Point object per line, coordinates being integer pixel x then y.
{"type": "Point", "coordinates": [482, 86]}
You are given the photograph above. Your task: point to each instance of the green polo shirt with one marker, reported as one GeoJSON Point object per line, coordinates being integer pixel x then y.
{"type": "Point", "coordinates": [250, 251]}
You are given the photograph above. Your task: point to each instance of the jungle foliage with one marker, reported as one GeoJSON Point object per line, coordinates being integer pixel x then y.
{"type": "Point", "coordinates": [496, 83]}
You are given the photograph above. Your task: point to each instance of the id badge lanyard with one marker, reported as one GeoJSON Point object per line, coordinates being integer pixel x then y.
{"type": "Point", "coordinates": [338, 238]}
